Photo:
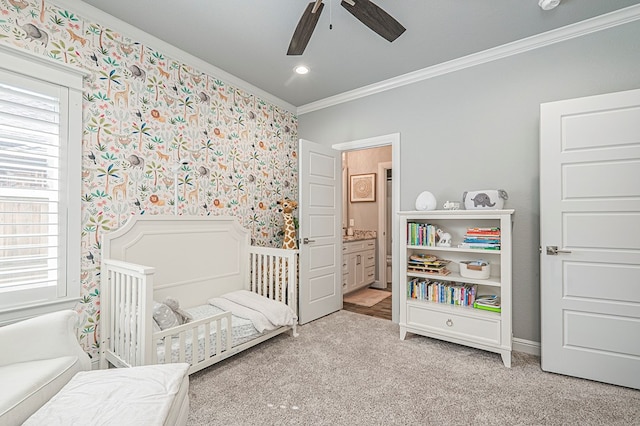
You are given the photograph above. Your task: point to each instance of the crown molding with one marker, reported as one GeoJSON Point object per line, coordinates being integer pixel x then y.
{"type": "Point", "coordinates": [88, 11]}
{"type": "Point", "coordinates": [579, 29]}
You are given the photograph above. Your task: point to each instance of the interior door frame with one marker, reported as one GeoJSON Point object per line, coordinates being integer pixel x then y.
{"type": "Point", "coordinates": [381, 282]}
{"type": "Point", "coordinates": [392, 139]}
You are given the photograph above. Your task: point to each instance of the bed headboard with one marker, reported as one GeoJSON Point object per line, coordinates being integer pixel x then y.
{"type": "Point", "coordinates": [195, 257]}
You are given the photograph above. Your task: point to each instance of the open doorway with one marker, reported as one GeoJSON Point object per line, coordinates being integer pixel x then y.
{"type": "Point", "coordinates": [366, 222]}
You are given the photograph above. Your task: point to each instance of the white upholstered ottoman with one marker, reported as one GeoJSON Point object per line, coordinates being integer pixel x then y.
{"type": "Point", "coordinates": [148, 395]}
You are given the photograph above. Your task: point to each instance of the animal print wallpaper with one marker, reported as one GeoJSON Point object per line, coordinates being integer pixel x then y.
{"type": "Point", "coordinates": [159, 136]}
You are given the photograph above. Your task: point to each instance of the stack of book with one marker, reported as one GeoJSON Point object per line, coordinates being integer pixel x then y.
{"type": "Point", "coordinates": [427, 264]}
{"type": "Point", "coordinates": [442, 292]}
{"type": "Point", "coordinates": [421, 234]}
{"type": "Point", "coordinates": [488, 303]}
{"type": "Point", "coordinates": [482, 238]}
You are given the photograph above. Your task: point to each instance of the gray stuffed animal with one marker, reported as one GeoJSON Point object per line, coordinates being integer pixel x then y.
{"type": "Point", "coordinates": [183, 316]}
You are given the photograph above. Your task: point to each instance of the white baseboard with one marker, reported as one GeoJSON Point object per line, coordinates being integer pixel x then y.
{"type": "Point", "coordinates": [527, 346]}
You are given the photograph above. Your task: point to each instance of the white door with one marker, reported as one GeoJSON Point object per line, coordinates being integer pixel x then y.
{"type": "Point", "coordinates": [320, 231]}
{"type": "Point", "coordinates": [590, 211]}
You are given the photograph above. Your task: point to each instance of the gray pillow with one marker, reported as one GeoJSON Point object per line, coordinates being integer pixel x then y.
{"type": "Point", "coordinates": [164, 316]}
{"type": "Point", "coordinates": [156, 327]}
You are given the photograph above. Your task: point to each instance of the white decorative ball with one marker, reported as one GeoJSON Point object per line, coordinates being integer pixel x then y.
{"type": "Point", "coordinates": [426, 201]}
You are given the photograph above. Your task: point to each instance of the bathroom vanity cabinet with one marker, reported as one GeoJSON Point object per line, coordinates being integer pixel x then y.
{"type": "Point", "coordinates": [358, 264]}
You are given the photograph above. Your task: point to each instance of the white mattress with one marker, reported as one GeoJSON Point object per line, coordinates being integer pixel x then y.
{"type": "Point", "coordinates": [242, 331]}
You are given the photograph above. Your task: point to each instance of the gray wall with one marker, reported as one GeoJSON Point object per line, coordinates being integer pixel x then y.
{"type": "Point", "coordinates": [478, 129]}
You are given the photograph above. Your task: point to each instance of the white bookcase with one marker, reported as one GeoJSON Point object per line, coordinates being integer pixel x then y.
{"type": "Point", "coordinates": [464, 325]}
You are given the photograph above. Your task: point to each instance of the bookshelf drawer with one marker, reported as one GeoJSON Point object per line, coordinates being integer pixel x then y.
{"type": "Point", "coordinates": [472, 328]}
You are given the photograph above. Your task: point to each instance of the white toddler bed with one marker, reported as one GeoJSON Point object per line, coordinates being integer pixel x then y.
{"type": "Point", "coordinates": [208, 265]}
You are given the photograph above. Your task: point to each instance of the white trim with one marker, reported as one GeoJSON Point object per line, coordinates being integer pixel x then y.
{"type": "Point", "coordinates": [381, 195]}
{"type": "Point", "coordinates": [41, 67]}
{"type": "Point", "coordinates": [367, 143]}
{"type": "Point", "coordinates": [392, 139]}
{"type": "Point", "coordinates": [579, 29]}
{"type": "Point", "coordinates": [21, 313]}
{"type": "Point", "coordinates": [526, 346]}
{"type": "Point", "coordinates": [87, 11]}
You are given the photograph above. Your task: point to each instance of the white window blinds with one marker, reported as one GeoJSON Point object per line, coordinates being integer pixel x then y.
{"type": "Point", "coordinates": [30, 176]}
{"type": "Point", "coordinates": [40, 184]}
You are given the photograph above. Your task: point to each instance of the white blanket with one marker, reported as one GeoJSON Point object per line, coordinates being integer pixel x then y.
{"type": "Point", "coordinates": [117, 396]}
{"type": "Point", "coordinates": [259, 321]}
{"type": "Point", "coordinates": [266, 314]}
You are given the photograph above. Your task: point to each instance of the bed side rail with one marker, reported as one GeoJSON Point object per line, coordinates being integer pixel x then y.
{"type": "Point", "coordinates": [178, 346]}
{"type": "Point", "coordinates": [274, 274]}
{"type": "Point", "coordinates": [126, 301]}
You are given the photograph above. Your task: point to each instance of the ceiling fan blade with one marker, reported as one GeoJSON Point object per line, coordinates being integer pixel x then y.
{"type": "Point", "coordinates": [305, 28]}
{"type": "Point", "coordinates": [375, 18]}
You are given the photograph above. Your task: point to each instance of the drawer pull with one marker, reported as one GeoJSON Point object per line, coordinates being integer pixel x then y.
{"type": "Point", "coordinates": [449, 323]}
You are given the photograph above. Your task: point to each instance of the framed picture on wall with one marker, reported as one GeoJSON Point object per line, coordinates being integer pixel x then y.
{"type": "Point", "coordinates": [363, 188]}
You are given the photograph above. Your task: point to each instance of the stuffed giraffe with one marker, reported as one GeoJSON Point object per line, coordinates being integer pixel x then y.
{"type": "Point", "coordinates": [290, 239]}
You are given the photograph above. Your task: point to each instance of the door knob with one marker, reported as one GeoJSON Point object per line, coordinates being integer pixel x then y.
{"type": "Point", "coordinates": [553, 250]}
{"type": "Point", "coordinates": [306, 240]}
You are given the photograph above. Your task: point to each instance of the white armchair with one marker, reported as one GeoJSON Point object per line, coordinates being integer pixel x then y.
{"type": "Point", "coordinates": [38, 357]}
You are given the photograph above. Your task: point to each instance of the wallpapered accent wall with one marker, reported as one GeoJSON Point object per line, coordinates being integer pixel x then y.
{"type": "Point", "coordinates": [148, 117]}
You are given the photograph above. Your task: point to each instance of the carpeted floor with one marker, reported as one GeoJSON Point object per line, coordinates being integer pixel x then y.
{"type": "Point", "coordinates": [351, 369]}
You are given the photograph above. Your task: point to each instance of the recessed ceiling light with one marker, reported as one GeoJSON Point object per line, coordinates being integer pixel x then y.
{"type": "Point", "coordinates": [301, 69]}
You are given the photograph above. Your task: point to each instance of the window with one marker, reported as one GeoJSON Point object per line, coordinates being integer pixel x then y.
{"type": "Point", "coordinates": [40, 144]}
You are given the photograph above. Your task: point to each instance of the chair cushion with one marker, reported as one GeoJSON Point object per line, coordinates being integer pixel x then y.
{"type": "Point", "coordinates": [31, 384]}
{"type": "Point", "coordinates": [135, 396]}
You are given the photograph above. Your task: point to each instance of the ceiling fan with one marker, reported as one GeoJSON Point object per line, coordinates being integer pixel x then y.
{"type": "Point", "coordinates": [365, 11]}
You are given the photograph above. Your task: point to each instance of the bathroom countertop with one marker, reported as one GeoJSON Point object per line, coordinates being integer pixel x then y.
{"type": "Point", "coordinates": [359, 235]}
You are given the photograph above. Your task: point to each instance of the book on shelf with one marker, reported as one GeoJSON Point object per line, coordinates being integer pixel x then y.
{"type": "Point", "coordinates": [479, 246]}
{"type": "Point", "coordinates": [449, 293]}
{"type": "Point", "coordinates": [483, 231]}
{"type": "Point", "coordinates": [421, 234]}
{"type": "Point", "coordinates": [488, 303]}
{"type": "Point", "coordinates": [481, 239]}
